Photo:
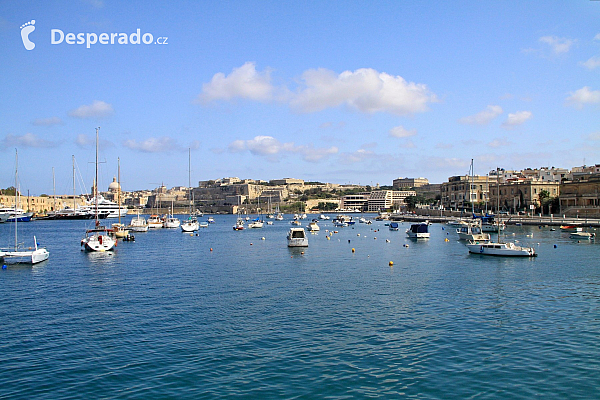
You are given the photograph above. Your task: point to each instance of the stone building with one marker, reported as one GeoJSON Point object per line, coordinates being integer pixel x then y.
{"type": "Point", "coordinates": [581, 197]}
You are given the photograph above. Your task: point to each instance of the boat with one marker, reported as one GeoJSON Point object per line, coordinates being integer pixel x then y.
{"type": "Point", "coordinates": [210, 220]}
{"type": "Point", "coordinates": [191, 223]}
{"type": "Point", "coordinates": [457, 223]}
{"type": "Point", "coordinates": [489, 223]}
{"type": "Point", "coordinates": [256, 223]}
{"type": "Point", "coordinates": [120, 230]}
{"type": "Point", "coordinates": [418, 231]}
{"type": "Point", "coordinates": [155, 221]}
{"type": "Point", "coordinates": [16, 254]}
{"type": "Point", "coordinates": [580, 234]}
{"type": "Point", "coordinates": [569, 228]}
{"type": "Point", "coordinates": [138, 224]}
{"type": "Point", "coordinates": [472, 231]}
{"type": "Point", "coordinates": [295, 222]}
{"type": "Point", "coordinates": [12, 214]}
{"type": "Point", "coordinates": [313, 226]}
{"type": "Point", "coordinates": [239, 224]}
{"type": "Point", "coordinates": [105, 207]}
{"type": "Point", "coordinates": [98, 238]}
{"type": "Point", "coordinates": [393, 226]}
{"type": "Point", "coordinates": [203, 225]}
{"type": "Point", "coordinates": [296, 237]}
{"type": "Point", "coordinates": [171, 222]}
{"type": "Point", "coordinates": [508, 249]}
{"type": "Point", "coordinates": [323, 216]}
{"type": "Point", "coordinates": [340, 224]}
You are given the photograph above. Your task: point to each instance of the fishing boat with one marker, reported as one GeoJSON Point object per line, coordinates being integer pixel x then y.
{"type": "Point", "coordinates": [296, 237]}
{"type": "Point", "coordinates": [239, 224]}
{"type": "Point", "coordinates": [191, 224]}
{"type": "Point", "coordinates": [508, 249]}
{"type": "Point", "coordinates": [155, 221]}
{"type": "Point", "coordinates": [98, 238]}
{"type": "Point", "coordinates": [138, 224]}
{"type": "Point", "coordinates": [18, 254]}
{"type": "Point", "coordinates": [418, 231]}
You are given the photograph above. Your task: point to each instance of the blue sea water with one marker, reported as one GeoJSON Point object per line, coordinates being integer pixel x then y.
{"type": "Point", "coordinates": [167, 317]}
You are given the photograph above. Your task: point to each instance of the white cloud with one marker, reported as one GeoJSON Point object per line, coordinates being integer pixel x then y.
{"type": "Point", "coordinates": [271, 148]}
{"type": "Point", "coordinates": [595, 136]}
{"type": "Point", "coordinates": [98, 109]}
{"type": "Point", "coordinates": [48, 121]}
{"type": "Point", "coordinates": [558, 45]}
{"type": "Point", "coordinates": [401, 132]}
{"type": "Point", "coordinates": [365, 90]}
{"type": "Point", "coordinates": [516, 119]}
{"type": "Point", "coordinates": [482, 117]}
{"type": "Point", "coordinates": [26, 140]}
{"type": "Point", "coordinates": [447, 163]}
{"type": "Point", "coordinates": [592, 63]}
{"type": "Point", "coordinates": [85, 142]}
{"type": "Point", "coordinates": [244, 82]}
{"type": "Point", "coordinates": [597, 37]}
{"type": "Point", "coordinates": [502, 142]}
{"type": "Point", "coordinates": [584, 96]}
{"type": "Point", "coordinates": [357, 156]}
{"type": "Point", "coordinates": [153, 145]}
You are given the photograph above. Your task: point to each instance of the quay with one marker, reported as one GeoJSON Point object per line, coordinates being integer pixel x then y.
{"type": "Point", "coordinates": [508, 220]}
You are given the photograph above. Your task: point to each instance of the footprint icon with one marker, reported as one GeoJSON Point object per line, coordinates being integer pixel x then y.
{"type": "Point", "coordinates": [26, 29]}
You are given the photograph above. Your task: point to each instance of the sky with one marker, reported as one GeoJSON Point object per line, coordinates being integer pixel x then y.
{"type": "Point", "coordinates": [359, 92]}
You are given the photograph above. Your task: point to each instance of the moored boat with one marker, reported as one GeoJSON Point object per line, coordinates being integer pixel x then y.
{"type": "Point", "coordinates": [418, 231]}
{"type": "Point", "coordinates": [508, 249]}
{"type": "Point", "coordinates": [296, 237]}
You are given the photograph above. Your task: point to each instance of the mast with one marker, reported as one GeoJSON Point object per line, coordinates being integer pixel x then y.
{"type": "Point", "coordinates": [73, 158]}
{"type": "Point", "coordinates": [471, 188]}
{"type": "Point", "coordinates": [119, 183]}
{"type": "Point", "coordinates": [190, 178]}
{"type": "Point", "coordinates": [16, 190]}
{"type": "Point", "coordinates": [96, 186]}
{"type": "Point", "coordinates": [53, 191]}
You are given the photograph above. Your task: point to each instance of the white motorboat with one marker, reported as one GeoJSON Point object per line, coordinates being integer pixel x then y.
{"type": "Point", "coordinates": [580, 234]}
{"type": "Point", "coordinates": [256, 224]}
{"type": "Point", "coordinates": [279, 217]}
{"type": "Point", "coordinates": [210, 220]}
{"type": "Point", "coordinates": [120, 231]}
{"type": "Point", "coordinates": [12, 214]}
{"type": "Point", "coordinates": [138, 224]}
{"type": "Point", "coordinates": [296, 237]}
{"type": "Point", "coordinates": [323, 216]}
{"type": "Point", "coordinates": [190, 225]}
{"type": "Point", "coordinates": [105, 207]}
{"type": "Point", "coordinates": [239, 224]}
{"type": "Point", "coordinates": [155, 222]}
{"type": "Point", "coordinates": [457, 223]}
{"type": "Point", "coordinates": [418, 231]}
{"type": "Point", "coordinates": [295, 222]}
{"type": "Point", "coordinates": [171, 222]}
{"type": "Point", "coordinates": [473, 232]}
{"type": "Point", "coordinates": [500, 249]}
{"type": "Point", "coordinates": [313, 226]}
{"type": "Point", "coordinates": [203, 224]}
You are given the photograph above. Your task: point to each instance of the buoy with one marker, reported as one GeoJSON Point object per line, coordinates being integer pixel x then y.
{"type": "Point", "coordinates": [387, 240]}
{"type": "Point", "coordinates": [353, 249]}
{"type": "Point", "coordinates": [555, 246]}
{"type": "Point", "coordinates": [358, 234]}
{"type": "Point", "coordinates": [211, 249]}
{"type": "Point", "coordinates": [348, 240]}
{"type": "Point", "coordinates": [391, 263]}
{"type": "Point", "coordinates": [191, 234]}
{"type": "Point", "coordinates": [375, 238]}
{"type": "Point", "coordinates": [302, 252]}
{"type": "Point", "coordinates": [446, 240]}
{"type": "Point", "coordinates": [4, 266]}
{"type": "Point", "coordinates": [250, 244]}
{"type": "Point", "coordinates": [327, 237]}
{"type": "Point", "coordinates": [262, 238]}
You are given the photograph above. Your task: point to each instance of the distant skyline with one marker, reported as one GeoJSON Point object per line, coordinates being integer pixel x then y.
{"type": "Point", "coordinates": [343, 92]}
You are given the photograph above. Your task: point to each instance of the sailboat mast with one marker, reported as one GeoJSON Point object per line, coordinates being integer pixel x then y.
{"type": "Point", "coordinates": [190, 178]}
{"type": "Point", "coordinates": [96, 183]}
{"type": "Point", "coordinates": [119, 182]}
{"type": "Point", "coordinates": [471, 188]}
{"type": "Point", "coordinates": [16, 186]}
{"type": "Point", "coordinates": [53, 191]}
{"type": "Point", "coordinates": [73, 159]}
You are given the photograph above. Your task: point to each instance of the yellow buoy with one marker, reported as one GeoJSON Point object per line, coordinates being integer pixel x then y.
{"type": "Point", "coordinates": [391, 263]}
{"type": "Point", "coordinates": [353, 249]}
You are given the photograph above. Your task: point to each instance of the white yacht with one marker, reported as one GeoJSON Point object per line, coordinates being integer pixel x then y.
{"type": "Point", "coordinates": [296, 237]}
{"type": "Point", "coordinates": [105, 207]}
{"type": "Point", "coordinates": [171, 222]}
{"type": "Point", "coordinates": [138, 224]}
{"type": "Point", "coordinates": [500, 249]}
{"type": "Point", "coordinates": [155, 222]}
{"type": "Point", "coordinates": [313, 226]}
{"type": "Point", "coordinates": [418, 231]}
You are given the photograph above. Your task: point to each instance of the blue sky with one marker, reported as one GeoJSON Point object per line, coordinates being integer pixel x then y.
{"type": "Point", "coordinates": [337, 91]}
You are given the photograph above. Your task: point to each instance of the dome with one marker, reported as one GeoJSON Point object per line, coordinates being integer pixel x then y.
{"type": "Point", "coordinates": [114, 186]}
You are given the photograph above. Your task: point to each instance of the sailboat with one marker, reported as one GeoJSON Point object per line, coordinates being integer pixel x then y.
{"type": "Point", "coordinates": [119, 229]}
{"type": "Point", "coordinates": [170, 220]}
{"type": "Point", "coordinates": [138, 224]}
{"type": "Point", "coordinates": [504, 249]}
{"type": "Point", "coordinates": [98, 238]}
{"type": "Point", "coordinates": [191, 224]}
{"type": "Point", "coordinates": [29, 256]}
{"type": "Point", "coordinates": [257, 222]}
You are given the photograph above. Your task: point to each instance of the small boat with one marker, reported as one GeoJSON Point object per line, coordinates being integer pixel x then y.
{"type": "Point", "coordinates": [155, 222]}
{"type": "Point", "coordinates": [569, 228]}
{"type": "Point", "coordinates": [190, 225]}
{"type": "Point", "coordinates": [120, 231]}
{"type": "Point", "coordinates": [296, 237]}
{"type": "Point", "coordinates": [393, 226]}
{"type": "Point", "coordinates": [239, 224]}
{"type": "Point", "coordinates": [457, 223]}
{"type": "Point", "coordinates": [580, 234]}
{"type": "Point", "coordinates": [323, 216]}
{"type": "Point", "coordinates": [171, 222]}
{"type": "Point", "coordinates": [138, 224]}
{"type": "Point", "coordinates": [29, 256]}
{"type": "Point", "coordinates": [256, 224]}
{"type": "Point", "coordinates": [418, 231]}
{"type": "Point", "coordinates": [210, 220]}
{"type": "Point", "coordinates": [203, 225]}
{"type": "Point", "coordinates": [500, 249]}
{"type": "Point", "coordinates": [313, 226]}
{"type": "Point", "coordinates": [472, 231]}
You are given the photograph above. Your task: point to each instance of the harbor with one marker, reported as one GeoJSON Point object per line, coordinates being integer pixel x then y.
{"type": "Point", "coordinates": [221, 313]}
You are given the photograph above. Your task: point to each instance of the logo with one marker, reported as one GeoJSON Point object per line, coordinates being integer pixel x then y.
{"type": "Point", "coordinates": [26, 29]}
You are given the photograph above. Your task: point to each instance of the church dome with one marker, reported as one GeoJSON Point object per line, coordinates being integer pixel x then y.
{"type": "Point", "coordinates": [114, 186]}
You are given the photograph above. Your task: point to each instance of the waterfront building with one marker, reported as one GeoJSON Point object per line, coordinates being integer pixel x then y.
{"type": "Point", "coordinates": [519, 194]}
{"type": "Point", "coordinates": [381, 200]}
{"type": "Point", "coordinates": [461, 191]}
{"type": "Point", "coordinates": [581, 196]}
{"type": "Point", "coordinates": [356, 201]}
{"type": "Point", "coordinates": [409, 183]}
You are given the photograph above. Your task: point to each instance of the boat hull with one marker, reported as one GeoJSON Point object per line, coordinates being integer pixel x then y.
{"type": "Point", "coordinates": [501, 250]}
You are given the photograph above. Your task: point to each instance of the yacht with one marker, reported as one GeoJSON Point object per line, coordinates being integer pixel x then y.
{"type": "Point", "coordinates": [171, 222]}
{"type": "Point", "coordinates": [500, 249]}
{"type": "Point", "coordinates": [105, 207]}
{"type": "Point", "coordinates": [155, 221]}
{"type": "Point", "coordinates": [10, 214]}
{"type": "Point", "coordinates": [138, 224]}
{"type": "Point", "coordinates": [313, 226]}
{"type": "Point", "coordinates": [472, 231]}
{"type": "Point", "coordinates": [191, 224]}
{"type": "Point", "coordinates": [418, 231]}
{"type": "Point", "coordinates": [296, 237]}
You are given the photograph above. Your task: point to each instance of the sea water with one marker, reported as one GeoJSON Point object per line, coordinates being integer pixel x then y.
{"type": "Point", "coordinates": [238, 314]}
